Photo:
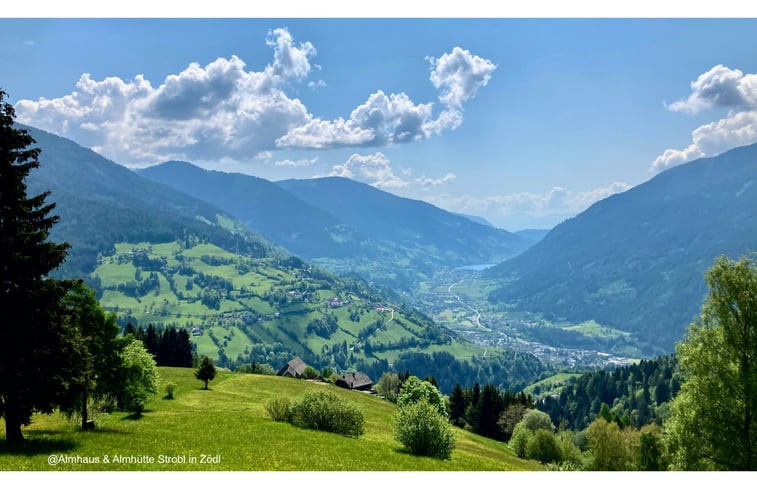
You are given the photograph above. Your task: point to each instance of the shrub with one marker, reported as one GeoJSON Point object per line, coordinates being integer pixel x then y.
{"type": "Point", "coordinates": [519, 440]}
{"type": "Point", "coordinates": [388, 386]}
{"type": "Point", "coordinates": [536, 420]}
{"type": "Point", "coordinates": [327, 411]}
{"type": "Point", "coordinates": [542, 446]}
{"type": "Point", "coordinates": [97, 409]}
{"type": "Point", "coordinates": [140, 377]}
{"type": "Point", "coordinates": [278, 409]}
{"type": "Point", "coordinates": [310, 373]}
{"type": "Point", "coordinates": [423, 431]}
{"type": "Point", "coordinates": [415, 390]}
{"type": "Point", "coordinates": [170, 388]}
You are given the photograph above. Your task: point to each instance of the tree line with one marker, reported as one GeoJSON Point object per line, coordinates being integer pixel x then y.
{"type": "Point", "coordinates": [636, 394]}
{"type": "Point", "coordinates": [171, 346]}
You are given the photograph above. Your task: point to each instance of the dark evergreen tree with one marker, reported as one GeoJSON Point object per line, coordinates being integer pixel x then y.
{"type": "Point", "coordinates": [206, 371]}
{"type": "Point", "coordinates": [457, 406]}
{"type": "Point", "coordinates": [486, 412]}
{"type": "Point", "coordinates": [151, 339]}
{"type": "Point", "coordinates": [130, 329]}
{"type": "Point", "coordinates": [39, 349]}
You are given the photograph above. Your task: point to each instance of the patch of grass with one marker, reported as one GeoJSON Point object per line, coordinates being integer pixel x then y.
{"type": "Point", "coordinates": [595, 330]}
{"type": "Point", "coordinates": [230, 422]}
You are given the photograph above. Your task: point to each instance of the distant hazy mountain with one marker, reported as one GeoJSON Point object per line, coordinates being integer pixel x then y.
{"type": "Point", "coordinates": [414, 224]}
{"type": "Point", "coordinates": [345, 225]}
{"type": "Point", "coordinates": [635, 260]}
{"type": "Point", "coordinates": [533, 235]}
{"type": "Point", "coordinates": [158, 255]}
{"type": "Point", "coordinates": [476, 219]}
{"type": "Point", "coordinates": [101, 203]}
{"type": "Point", "coordinates": [301, 228]}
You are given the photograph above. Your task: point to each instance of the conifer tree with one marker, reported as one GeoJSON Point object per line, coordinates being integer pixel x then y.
{"type": "Point", "coordinates": [206, 371]}
{"type": "Point", "coordinates": [39, 350]}
{"type": "Point", "coordinates": [457, 406]}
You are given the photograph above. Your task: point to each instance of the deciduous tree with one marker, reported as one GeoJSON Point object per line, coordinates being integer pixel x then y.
{"type": "Point", "coordinates": [712, 423]}
{"type": "Point", "coordinates": [101, 365]}
{"type": "Point", "coordinates": [140, 378]}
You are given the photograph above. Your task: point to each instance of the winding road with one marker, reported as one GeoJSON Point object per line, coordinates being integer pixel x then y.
{"type": "Point", "coordinates": [477, 315]}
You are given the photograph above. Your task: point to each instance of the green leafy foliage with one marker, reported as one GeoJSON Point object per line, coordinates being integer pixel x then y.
{"type": "Point", "coordinates": [41, 352]}
{"type": "Point", "coordinates": [637, 393]}
{"type": "Point", "coordinates": [206, 371]}
{"type": "Point", "coordinates": [519, 439]}
{"type": "Point", "coordinates": [141, 377]}
{"type": "Point", "coordinates": [170, 389]}
{"type": "Point", "coordinates": [278, 409]}
{"type": "Point", "coordinates": [414, 390]}
{"type": "Point", "coordinates": [310, 373]}
{"type": "Point", "coordinates": [422, 430]}
{"type": "Point", "coordinates": [544, 447]}
{"type": "Point", "coordinates": [326, 411]}
{"type": "Point", "coordinates": [608, 447]}
{"type": "Point", "coordinates": [712, 425]}
{"type": "Point", "coordinates": [101, 367]}
{"type": "Point", "coordinates": [388, 386]}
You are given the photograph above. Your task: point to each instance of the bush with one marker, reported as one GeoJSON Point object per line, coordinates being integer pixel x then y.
{"type": "Point", "coordinates": [140, 377]}
{"type": "Point", "coordinates": [278, 409]}
{"type": "Point", "coordinates": [170, 388]}
{"type": "Point", "coordinates": [310, 373]}
{"type": "Point", "coordinates": [415, 390]}
{"type": "Point", "coordinates": [542, 446]}
{"type": "Point", "coordinates": [327, 411]}
{"type": "Point", "coordinates": [97, 409]}
{"type": "Point", "coordinates": [535, 420]}
{"type": "Point", "coordinates": [388, 386]}
{"type": "Point", "coordinates": [519, 440]}
{"type": "Point", "coordinates": [423, 431]}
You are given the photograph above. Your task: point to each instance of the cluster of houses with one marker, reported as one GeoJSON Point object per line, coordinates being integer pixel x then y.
{"type": "Point", "coordinates": [357, 381]}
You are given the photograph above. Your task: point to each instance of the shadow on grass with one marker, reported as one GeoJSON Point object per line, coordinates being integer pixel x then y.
{"type": "Point", "coordinates": [34, 446]}
{"type": "Point", "coordinates": [135, 416]}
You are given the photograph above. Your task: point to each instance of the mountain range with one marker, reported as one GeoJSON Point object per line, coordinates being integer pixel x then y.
{"type": "Point", "coordinates": [157, 255]}
{"type": "Point", "coordinates": [635, 260]}
{"type": "Point", "coordinates": [347, 226]}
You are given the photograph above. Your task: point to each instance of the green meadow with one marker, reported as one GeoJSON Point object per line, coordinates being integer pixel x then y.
{"type": "Point", "coordinates": [226, 428]}
{"type": "Point", "coordinates": [265, 302]}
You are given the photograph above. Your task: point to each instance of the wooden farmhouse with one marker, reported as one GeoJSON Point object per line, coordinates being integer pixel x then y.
{"type": "Point", "coordinates": [357, 381]}
{"type": "Point", "coordinates": [294, 368]}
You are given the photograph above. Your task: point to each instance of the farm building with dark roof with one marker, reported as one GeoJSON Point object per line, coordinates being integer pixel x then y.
{"type": "Point", "coordinates": [294, 368]}
{"type": "Point", "coordinates": [356, 381]}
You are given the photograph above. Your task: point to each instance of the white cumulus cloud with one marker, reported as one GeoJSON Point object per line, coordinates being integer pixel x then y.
{"type": "Point", "coordinates": [224, 112]}
{"type": "Point", "coordinates": [459, 75]}
{"type": "Point", "coordinates": [297, 163]}
{"type": "Point", "coordinates": [558, 201]}
{"type": "Point", "coordinates": [373, 169]}
{"type": "Point", "coordinates": [213, 112]}
{"type": "Point", "coordinates": [391, 119]}
{"type": "Point", "coordinates": [425, 181]}
{"type": "Point", "coordinates": [719, 87]}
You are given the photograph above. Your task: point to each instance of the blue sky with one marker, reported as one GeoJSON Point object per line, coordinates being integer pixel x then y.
{"type": "Point", "coordinates": [524, 122]}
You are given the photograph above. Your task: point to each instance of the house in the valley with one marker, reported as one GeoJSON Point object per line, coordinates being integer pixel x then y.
{"type": "Point", "coordinates": [294, 368]}
{"type": "Point", "coordinates": [357, 381]}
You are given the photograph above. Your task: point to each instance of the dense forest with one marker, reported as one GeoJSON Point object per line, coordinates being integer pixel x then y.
{"type": "Point", "coordinates": [637, 395]}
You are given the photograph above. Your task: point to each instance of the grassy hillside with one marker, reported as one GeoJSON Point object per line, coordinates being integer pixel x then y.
{"type": "Point", "coordinates": [229, 424]}
{"type": "Point", "coordinates": [634, 261]}
{"type": "Point", "coordinates": [242, 304]}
